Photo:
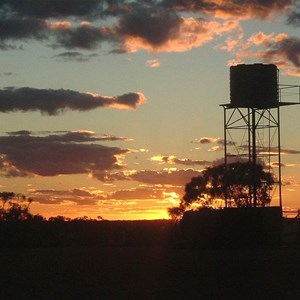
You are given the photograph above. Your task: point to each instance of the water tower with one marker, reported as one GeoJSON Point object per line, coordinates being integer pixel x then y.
{"type": "Point", "coordinates": [252, 121]}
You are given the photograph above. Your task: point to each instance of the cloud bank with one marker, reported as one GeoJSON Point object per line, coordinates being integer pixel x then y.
{"type": "Point", "coordinates": [174, 177]}
{"type": "Point", "coordinates": [23, 154]}
{"type": "Point", "coordinates": [128, 25]}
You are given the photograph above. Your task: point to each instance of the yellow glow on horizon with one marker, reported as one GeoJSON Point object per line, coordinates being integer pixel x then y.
{"type": "Point", "coordinates": [151, 209]}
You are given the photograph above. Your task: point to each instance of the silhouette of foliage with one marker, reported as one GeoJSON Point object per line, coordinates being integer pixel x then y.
{"type": "Point", "coordinates": [59, 219]}
{"type": "Point", "coordinates": [176, 212]}
{"type": "Point", "coordinates": [233, 182]}
{"type": "Point", "coordinates": [15, 207]}
{"type": "Point", "coordinates": [5, 196]}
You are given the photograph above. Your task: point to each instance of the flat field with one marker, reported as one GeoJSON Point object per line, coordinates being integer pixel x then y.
{"type": "Point", "coordinates": [149, 272]}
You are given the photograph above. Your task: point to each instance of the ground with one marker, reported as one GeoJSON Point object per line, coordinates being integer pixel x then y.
{"type": "Point", "coordinates": [149, 273]}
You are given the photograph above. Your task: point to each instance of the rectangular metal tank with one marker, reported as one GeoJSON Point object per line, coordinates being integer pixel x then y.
{"type": "Point", "coordinates": [254, 86]}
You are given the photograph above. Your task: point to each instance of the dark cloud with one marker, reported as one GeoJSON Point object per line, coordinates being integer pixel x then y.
{"type": "Point", "coordinates": [75, 56]}
{"type": "Point", "coordinates": [107, 176]}
{"type": "Point", "coordinates": [87, 136]}
{"type": "Point", "coordinates": [60, 34]}
{"type": "Point", "coordinates": [160, 25]}
{"type": "Point", "coordinates": [205, 140]}
{"type": "Point", "coordinates": [78, 196]}
{"type": "Point", "coordinates": [62, 193]}
{"type": "Point", "coordinates": [212, 140]}
{"type": "Point", "coordinates": [49, 20]}
{"type": "Point", "coordinates": [52, 102]}
{"type": "Point", "coordinates": [294, 16]}
{"type": "Point", "coordinates": [286, 49]}
{"type": "Point", "coordinates": [25, 155]}
{"type": "Point", "coordinates": [52, 8]}
{"type": "Point", "coordinates": [156, 29]}
{"type": "Point", "coordinates": [107, 137]}
{"type": "Point", "coordinates": [90, 9]}
{"type": "Point", "coordinates": [83, 37]}
{"type": "Point", "coordinates": [167, 32]}
{"type": "Point", "coordinates": [84, 197]}
{"type": "Point", "coordinates": [232, 8]}
{"type": "Point", "coordinates": [20, 132]}
{"type": "Point", "coordinates": [22, 29]}
{"type": "Point", "coordinates": [79, 136]}
{"type": "Point", "coordinates": [16, 29]}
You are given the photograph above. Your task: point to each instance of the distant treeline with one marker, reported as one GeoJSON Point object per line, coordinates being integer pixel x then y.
{"type": "Point", "coordinates": [206, 228]}
{"type": "Point", "coordinates": [20, 228]}
{"type": "Point", "coordinates": [207, 232]}
{"type": "Point", "coordinates": [87, 233]}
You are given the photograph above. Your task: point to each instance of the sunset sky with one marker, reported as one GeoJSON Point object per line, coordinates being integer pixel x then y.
{"type": "Point", "coordinates": [108, 108]}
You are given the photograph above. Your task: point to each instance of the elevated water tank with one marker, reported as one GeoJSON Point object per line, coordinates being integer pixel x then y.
{"type": "Point", "coordinates": [254, 86]}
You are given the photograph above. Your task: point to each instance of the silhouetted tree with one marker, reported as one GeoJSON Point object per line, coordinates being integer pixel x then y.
{"type": "Point", "coordinates": [16, 212]}
{"type": "Point", "coordinates": [59, 219]}
{"type": "Point", "coordinates": [233, 182]}
{"type": "Point", "coordinates": [15, 207]}
{"type": "Point", "coordinates": [37, 218]}
{"type": "Point", "coordinates": [5, 196]}
{"type": "Point", "coordinates": [176, 212]}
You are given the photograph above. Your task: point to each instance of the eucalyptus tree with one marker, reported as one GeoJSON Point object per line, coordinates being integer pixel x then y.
{"type": "Point", "coordinates": [236, 184]}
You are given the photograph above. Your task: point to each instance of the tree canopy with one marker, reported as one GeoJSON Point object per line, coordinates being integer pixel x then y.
{"type": "Point", "coordinates": [15, 207]}
{"type": "Point", "coordinates": [236, 183]}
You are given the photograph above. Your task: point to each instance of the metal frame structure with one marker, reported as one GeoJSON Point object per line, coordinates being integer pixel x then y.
{"type": "Point", "coordinates": [261, 139]}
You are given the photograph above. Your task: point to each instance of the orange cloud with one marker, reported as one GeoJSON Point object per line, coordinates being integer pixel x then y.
{"type": "Point", "coordinates": [121, 102]}
{"type": "Point", "coordinates": [261, 38]}
{"type": "Point", "coordinates": [59, 25]}
{"type": "Point", "coordinates": [279, 49]}
{"type": "Point", "coordinates": [243, 9]}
